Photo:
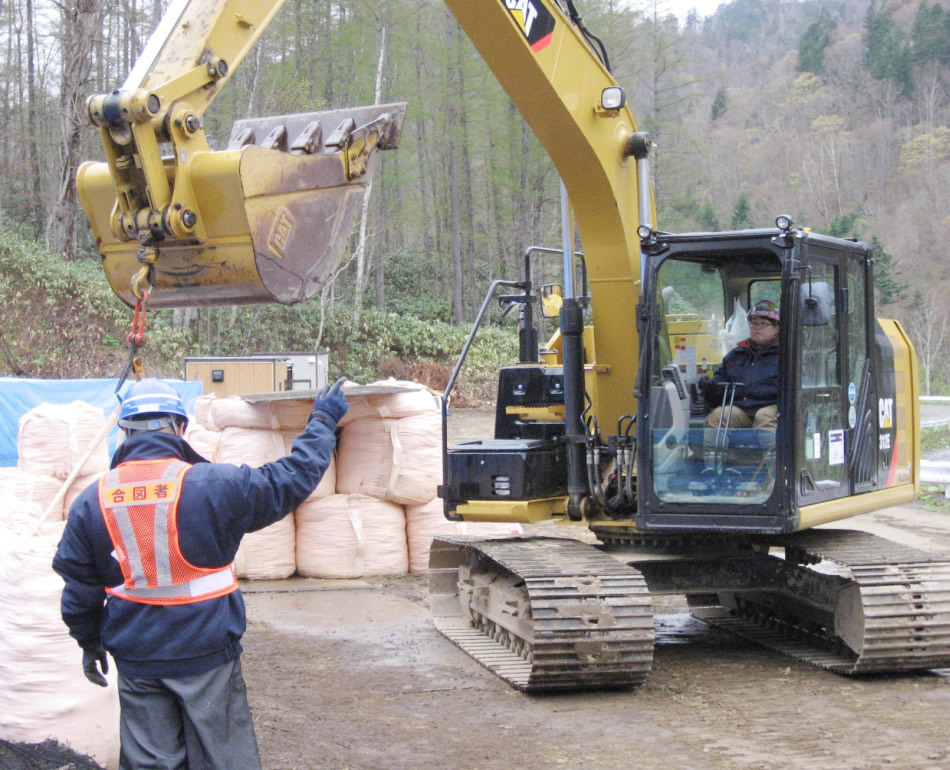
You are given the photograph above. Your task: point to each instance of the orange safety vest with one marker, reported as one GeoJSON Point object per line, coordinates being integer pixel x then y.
{"type": "Point", "coordinates": [139, 501]}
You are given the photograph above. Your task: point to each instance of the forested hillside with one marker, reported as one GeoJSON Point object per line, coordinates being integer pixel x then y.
{"type": "Point", "coordinates": [836, 112]}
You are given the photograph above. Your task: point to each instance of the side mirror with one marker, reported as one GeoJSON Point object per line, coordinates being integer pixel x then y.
{"type": "Point", "coordinates": [551, 300]}
{"type": "Point", "coordinates": [816, 304]}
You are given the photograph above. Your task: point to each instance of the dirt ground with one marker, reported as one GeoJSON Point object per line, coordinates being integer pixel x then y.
{"type": "Point", "coordinates": [352, 675]}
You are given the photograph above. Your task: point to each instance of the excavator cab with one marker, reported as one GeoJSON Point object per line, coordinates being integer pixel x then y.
{"type": "Point", "coordinates": [696, 469]}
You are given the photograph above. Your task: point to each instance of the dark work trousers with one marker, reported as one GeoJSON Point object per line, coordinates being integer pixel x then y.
{"type": "Point", "coordinates": [199, 722]}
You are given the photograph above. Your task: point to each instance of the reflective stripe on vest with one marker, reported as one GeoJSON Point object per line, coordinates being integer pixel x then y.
{"type": "Point", "coordinates": [139, 502]}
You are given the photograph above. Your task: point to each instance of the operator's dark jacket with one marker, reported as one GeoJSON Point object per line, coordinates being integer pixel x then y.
{"type": "Point", "coordinates": [757, 370]}
{"type": "Point", "coordinates": [219, 503]}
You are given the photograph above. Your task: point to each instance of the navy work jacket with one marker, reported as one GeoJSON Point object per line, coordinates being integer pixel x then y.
{"type": "Point", "coordinates": [757, 370]}
{"type": "Point", "coordinates": [219, 503]}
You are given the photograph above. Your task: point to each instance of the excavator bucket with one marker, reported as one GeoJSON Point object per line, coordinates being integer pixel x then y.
{"type": "Point", "coordinates": [276, 209]}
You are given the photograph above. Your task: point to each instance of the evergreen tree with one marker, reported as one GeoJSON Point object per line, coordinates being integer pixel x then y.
{"type": "Point", "coordinates": [929, 35]}
{"type": "Point", "coordinates": [844, 226]}
{"type": "Point", "coordinates": [720, 103]}
{"type": "Point", "coordinates": [741, 214]}
{"type": "Point", "coordinates": [708, 219]}
{"type": "Point", "coordinates": [887, 54]}
{"type": "Point", "coordinates": [817, 38]}
{"type": "Point", "coordinates": [888, 290]}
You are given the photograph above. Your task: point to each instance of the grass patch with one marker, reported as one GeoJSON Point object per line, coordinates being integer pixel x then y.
{"type": "Point", "coordinates": [932, 498]}
{"type": "Point", "coordinates": [934, 439]}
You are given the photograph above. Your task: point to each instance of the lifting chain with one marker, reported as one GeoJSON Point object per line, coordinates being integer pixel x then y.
{"type": "Point", "coordinates": [141, 285]}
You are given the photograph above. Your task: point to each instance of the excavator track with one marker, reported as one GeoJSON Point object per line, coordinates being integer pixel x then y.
{"type": "Point", "coordinates": [544, 614]}
{"type": "Point", "coordinates": [891, 614]}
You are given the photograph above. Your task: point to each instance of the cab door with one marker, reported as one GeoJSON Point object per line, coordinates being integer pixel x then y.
{"type": "Point", "coordinates": [835, 447]}
{"type": "Point", "coordinates": [862, 373]}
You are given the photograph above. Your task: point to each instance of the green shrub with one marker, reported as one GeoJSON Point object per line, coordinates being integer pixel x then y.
{"type": "Point", "coordinates": [62, 320]}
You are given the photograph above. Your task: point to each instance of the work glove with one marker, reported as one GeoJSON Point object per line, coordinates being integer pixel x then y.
{"type": "Point", "coordinates": [89, 668]}
{"type": "Point", "coordinates": [710, 390]}
{"type": "Point", "coordinates": [331, 401]}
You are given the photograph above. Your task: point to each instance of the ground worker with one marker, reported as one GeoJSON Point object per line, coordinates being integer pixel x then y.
{"type": "Point", "coordinates": [147, 560]}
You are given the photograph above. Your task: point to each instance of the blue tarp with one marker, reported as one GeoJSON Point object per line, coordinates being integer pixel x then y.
{"type": "Point", "coordinates": [19, 395]}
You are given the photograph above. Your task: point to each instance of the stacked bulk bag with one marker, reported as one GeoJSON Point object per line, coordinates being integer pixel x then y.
{"type": "Point", "coordinates": [391, 445]}
{"type": "Point", "coordinates": [203, 440]}
{"type": "Point", "coordinates": [235, 412]}
{"type": "Point", "coordinates": [29, 490]}
{"type": "Point", "coordinates": [232, 430]}
{"type": "Point", "coordinates": [267, 554]}
{"type": "Point", "coordinates": [415, 399]}
{"type": "Point", "coordinates": [425, 522]}
{"type": "Point", "coordinates": [351, 536]}
{"type": "Point", "coordinates": [53, 437]}
{"type": "Point", "coordinates": [396, 459]}
{"type": "Point", "coordinates": [77, 487]}
{"type": "Point", "coordinates": [201, 412]}
{"type": "Point", "coordinates": [44, 693]}
{"type": "Point", "coordinates": [327, 485]}
{"type": "Point", "coordinates": [292, 414]}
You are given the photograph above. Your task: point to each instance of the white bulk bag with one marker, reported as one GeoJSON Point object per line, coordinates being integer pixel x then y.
{"type": "Point", "coordinates": [327, 485]}
{"type": "Point", "coordinates": [31, 489]}
{"type": "Point", "coordinates": [44, 693]}
{"type": "Point", "coordinates": [201, 411]}
{"type": "Point", "coordinates": [397, 460]}
{"type": "Point", "coordinates": [417, 399]}
{"type": "Point", "coordinates": [235, 412]}
{"type": "Point", "coordinates": [76, 489]}
{"type": "Point", "coordinates": [349, 536]}
{"type": "Point", "coordinates": [293, 413]}
{"type": "Point", "coordinates": [53, 437]}
{"type": "Point", "coordinates": [249, 446]}
{"type": "Point", "coordinates": [424, 522]}
{"type": "Point", "coordinates": [268, 554]}
{"type": "Point", "coordinates": [255, 447]}
{"type": "Point", "coordinates": [203, 440]}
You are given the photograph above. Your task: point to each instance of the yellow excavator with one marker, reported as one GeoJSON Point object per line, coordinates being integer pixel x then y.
{"type": "Point", "coordinates": [604, 426]}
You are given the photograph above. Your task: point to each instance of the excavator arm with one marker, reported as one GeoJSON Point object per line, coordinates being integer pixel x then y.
{"type": "Point", "coordinates": [265, 220]}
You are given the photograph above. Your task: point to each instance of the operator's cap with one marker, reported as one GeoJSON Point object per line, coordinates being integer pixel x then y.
{"type": "Point", "coordinates": [764, 309]}
{"type": "Point", "coordinates": [147, 402]}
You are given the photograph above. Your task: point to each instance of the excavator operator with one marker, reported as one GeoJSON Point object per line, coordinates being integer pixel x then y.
{"type": "Point", "coordinates": [744, 389]}
{"type": "Point", "coordinates": [147, 556]}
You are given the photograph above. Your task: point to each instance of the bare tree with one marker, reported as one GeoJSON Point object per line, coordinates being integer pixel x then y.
{"type": "Point", "coordinates": [928, 326]}
{"type": "Point", "coordinates": [80, 22]}
{"type": "Point", "coordinates": [458, 306]}
{"type": "Point", "coordinates": [361, 261]}
{"type": "Point", "coordinates": [36, 193]}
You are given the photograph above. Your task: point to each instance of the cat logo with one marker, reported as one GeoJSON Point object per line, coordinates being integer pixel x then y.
{"type": "Point", "coordinates": [885, 413]}
{"type": "Point", "coordinates": [535, 21]}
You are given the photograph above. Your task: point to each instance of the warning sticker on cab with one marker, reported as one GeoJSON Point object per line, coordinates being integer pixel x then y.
{"type": "Point", "coordinates": [535, 21]}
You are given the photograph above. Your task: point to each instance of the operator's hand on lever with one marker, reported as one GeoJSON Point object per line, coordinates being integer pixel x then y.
{"type": "Point", "coordinates": [710, 390]}
{"type": "Point", "coordinates": [330, 404]}
{"type": "Point", "coordinates": [89, 660]}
